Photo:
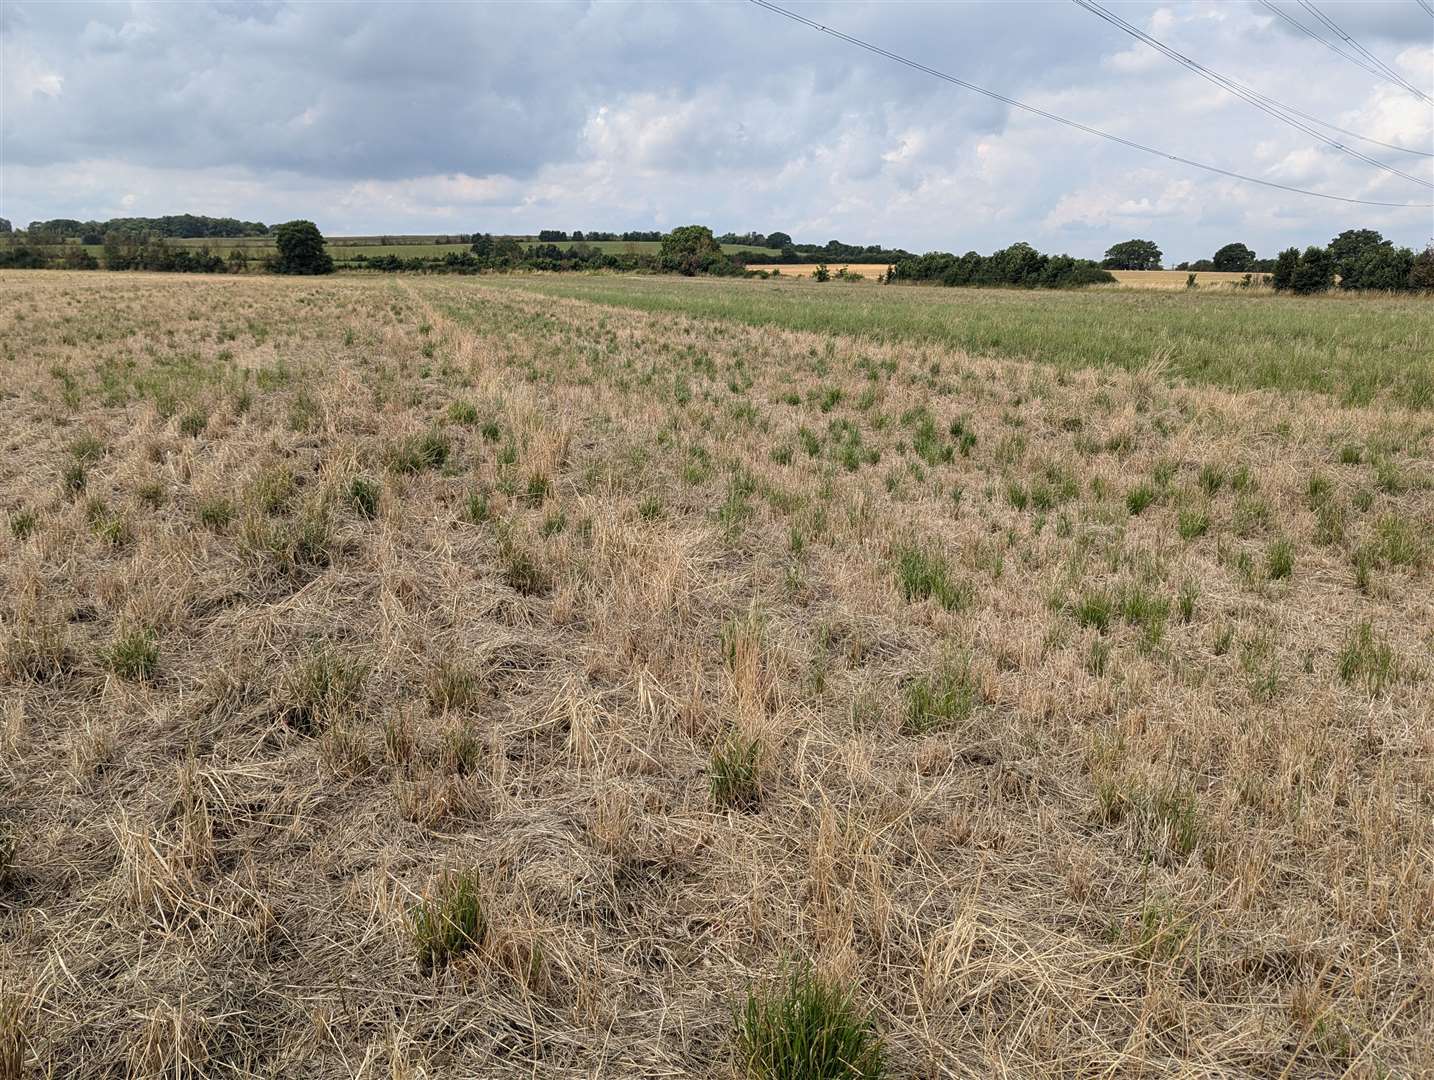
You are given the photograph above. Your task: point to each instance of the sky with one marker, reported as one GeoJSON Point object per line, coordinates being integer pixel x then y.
{"type": "Point", "coordinates": [509, 118]}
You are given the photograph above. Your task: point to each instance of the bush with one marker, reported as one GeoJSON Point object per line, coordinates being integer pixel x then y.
{"type": "Point", "coordinates": [1314, 272]}
{"type": "Point", "coordinates": [1286, 263]}
{"type": "Point", "coordinates": [301, 249]}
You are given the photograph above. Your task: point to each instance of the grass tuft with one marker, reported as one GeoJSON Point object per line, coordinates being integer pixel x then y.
{"type": "Point", "coordinates": [364, 494]}
{"type": "Point", "coordinates": [134, 655]}
{"type": "Point", "coordinates": [450, 922]}
{"type": "Point", "coordinates": [806, 1029]}
{"type": "Point", "coordinates": [320, 690]}
{"type": "Point", "coordinates": [923, 574]}
{"type": "Point", "coordinates": [734, 779]}
{"type": "Point", "coordinates": [422, 452]}
{"type": "Point", "coordinates": [942, 700]}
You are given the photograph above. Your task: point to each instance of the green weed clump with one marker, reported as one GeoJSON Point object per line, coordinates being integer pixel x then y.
{"type": "Point", "coordinates": [320, 690]}
{"type": "Point", "coordinates": [215, 513]}
{"type": "Point", "coordinates": [419, 453]}
{"type": "Point", "coordinates": [1366, 659]}
{"type": "Point", "coordinates": [193, 423]}
{"type": "Point", "coordinates": [923, 574]}
{"type": "Point", "coordinates": [22, 523]}
{"type": "Point", "coordinates": [733, 772]}
{"type": "Point", "coordinates": [134, 655]}
{"type": "Point", "coordinates": [364, 494]}
{"type": "Point", "coordinates": [450, 922]}
{"type": "Point", "coordinates": [1280, 559]}
{"type": "Point", "coordinates": [942, 700]}
{"type": "Point", "coordinates": [806, 1029]}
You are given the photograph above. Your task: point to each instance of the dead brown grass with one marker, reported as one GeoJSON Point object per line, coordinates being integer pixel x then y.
{"type": "Point", "coordinates": [1176, 279]}
{"type": "Point", "coordinates": [1191, 837]}
{"type": "Point", "coordinates": [868, 271]}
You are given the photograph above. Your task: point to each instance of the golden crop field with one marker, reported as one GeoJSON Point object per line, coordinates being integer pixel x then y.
{"type": "Point", "coordinates": [1176, 279]}
{"type": "Point", "coordinates": [434, 677]}
{"type": "Point", "coordinates": [869, 271]}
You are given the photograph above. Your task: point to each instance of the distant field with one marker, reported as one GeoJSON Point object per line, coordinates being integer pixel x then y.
{"type": "Point", "coordinates": [1357, 348]}
{"type": "Point", "coordinates": [870, 271]}
{"type": "Point", "coordinates": [1176, 279]}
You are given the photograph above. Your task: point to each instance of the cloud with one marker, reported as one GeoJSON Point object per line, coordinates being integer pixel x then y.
{"type": "Point", "coordinates": [381, 117]}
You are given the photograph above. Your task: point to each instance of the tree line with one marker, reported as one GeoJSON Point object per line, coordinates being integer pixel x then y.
{"type": "Point", "coordinates": [299, 248]}
{"type": "Point", "coordinates": [188, 226]}
{"type": "Point", "coordinates": [1355, 259]}
{"type": "Point", "coordinates": [1020, 265]}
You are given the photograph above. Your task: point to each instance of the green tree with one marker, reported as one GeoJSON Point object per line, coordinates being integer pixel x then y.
{"type": "Point", "coordinates": [1314, 272]}
{"type": "Point", "coordinates": [1385, 267]}
{"type": "Point", "coordinates": [1235, 258]}
{"type": "Point", "coordinates": [1349, 247]}
{"type": "Point", "coordinates": [1283, 275]}
{"type": "Point", "coordinates": [5, 226]}
{"type": "Point", "coordinates": [301, 249]}
{"type": "Point", "coordinates": [1132, 255]}
{"type": "Point", "coordinates": [1421, 274]}
{"type": "Point", "coordinates": [778, 240]}
{"type": "Point", "coordinates": [690, 249]}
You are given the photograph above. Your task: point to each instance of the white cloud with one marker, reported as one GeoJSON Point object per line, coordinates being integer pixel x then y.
{"type": "Point", "coordinates": [636, 115]}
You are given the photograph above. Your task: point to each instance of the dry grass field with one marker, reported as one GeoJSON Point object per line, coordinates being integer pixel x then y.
{"type": "Point", "coordinates": [1176, 279]}
{"type": "Point", "coordinates": [413, 678]}
{"type": "Point", "coordinates": [868, 271]}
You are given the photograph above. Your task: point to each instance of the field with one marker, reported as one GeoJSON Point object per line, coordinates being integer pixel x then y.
{"type": "Point", "coordinates": [1357, 349]}
{"type": "Point", "coordinates": [870, 271]}
{"type": "Point", "coordinates": [1176, 279]}
{"type": "Point", "coordinates": [439, 677]}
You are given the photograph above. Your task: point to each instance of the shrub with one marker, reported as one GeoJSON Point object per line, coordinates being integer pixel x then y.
{"type": "Point", "coordinates": [806, 1029]}
{"type": "Point", "coordinates": [450, 922]}
{"type": "Point", "coordinates": [301, 249]}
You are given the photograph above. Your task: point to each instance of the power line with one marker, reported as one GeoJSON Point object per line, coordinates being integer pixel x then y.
{"type": "Point", "coordinates": [915, 65]}
{"type": "Point", "coordinates": [1260, 101]}
{"type": "Point", "coordinates": [1332, 47]}
{"type": "Point", "coordinates": [1426, 6]}
{"type": "Point", "coordinates": [1389, 72]}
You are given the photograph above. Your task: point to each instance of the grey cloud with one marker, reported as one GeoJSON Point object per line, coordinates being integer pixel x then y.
{"type": "Point", "coordinates": [518, 116]}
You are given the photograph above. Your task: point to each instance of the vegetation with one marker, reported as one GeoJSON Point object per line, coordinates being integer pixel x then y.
{"type": "Point", "coordinates": [495, 686]}
{"type": "Point", "coordinates": [1019, 264]}
{"type": "Point", "coordinates": [1241, 341]}
{"type": "Point", "coordinates": [1133, 255]}
{"type": "Point", "coordinates": [806, 1029]}
{"type": "Point", "coordinates": [301, 249]}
